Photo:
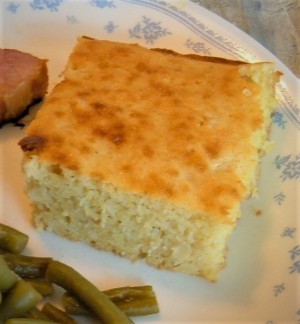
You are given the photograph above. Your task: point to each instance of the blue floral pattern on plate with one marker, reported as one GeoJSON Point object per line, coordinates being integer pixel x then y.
{"type": "Point", "coordinates": [198, 47]}
{"type": "Point", "coordinates": [52, 5]}
{"type": "Point", "coordinates": [110, 27]}
{"type": "Point", "coordinates": [156, 22]}
{"type": "Point", "coordinates": [103, 3]}
{"type": "Point", "coordinates": [148, 30]}
{"type": "Point", "coordinates": [13, 7]}
{"type": "Point", "coordinates": [289, 166]}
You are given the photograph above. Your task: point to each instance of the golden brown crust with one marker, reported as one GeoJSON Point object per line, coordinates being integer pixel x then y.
{"type": "Point", "coordinates": [165, 126]}
{"type": "Point", "coordinates": [211, 59]}
{"type": "Point", "coordinates": [31, 143]}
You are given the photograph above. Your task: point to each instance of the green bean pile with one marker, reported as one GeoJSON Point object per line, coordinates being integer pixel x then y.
{"type": "Point", "coordinates": [26, 282]}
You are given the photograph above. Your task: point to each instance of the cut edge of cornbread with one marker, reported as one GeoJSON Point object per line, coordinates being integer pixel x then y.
{"type": "Point", "coordinates": [130, 225]}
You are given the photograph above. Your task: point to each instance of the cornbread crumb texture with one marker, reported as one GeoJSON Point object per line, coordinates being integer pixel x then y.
{"type": "Point", "coordinates": [134, 226]}
{"type": "Point", "coordinates": [151, 152]}
{"type": "Point", "coordinates": [166, 133]}
{"type": "Point", "coordinates": [23, 79]}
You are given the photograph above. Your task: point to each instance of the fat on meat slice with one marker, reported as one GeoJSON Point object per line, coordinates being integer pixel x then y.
{"type": "Point", "coordinates": [23, 80]}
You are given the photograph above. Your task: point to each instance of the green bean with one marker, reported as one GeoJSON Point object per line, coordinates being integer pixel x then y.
{"type": "Point", "coordinates": [134, 301]}
{"type": "Point", "coordinates": [128, 292]}
{"type": "Point", "coordinates": [7, 277]}
{"type": "Point", "coordinates": [35, 313]}
{"type": "Point", "coordinates": [12, 240]}
{"type": "Point", "coordinates": [19, 300]}
{"type": "Point", "coordinates": [139, 307]}
{"type": "Point", "coordinates": [73, 306]}
{"type": "Point", "coordinates": [44, 287]}
{"type": "Point", "coordinates": [29, 321]}
{"type": "Point", "coordinates": [99, 303]}
{"type": "Point", "coordinates": [56, 314]}
{"type": "Point", "coordinates": [27, 266]}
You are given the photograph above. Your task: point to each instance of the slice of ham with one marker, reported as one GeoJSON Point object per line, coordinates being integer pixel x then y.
{"type": "Point", "coordinates": [23, 80]}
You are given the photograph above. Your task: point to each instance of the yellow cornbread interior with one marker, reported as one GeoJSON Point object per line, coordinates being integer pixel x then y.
{"type": "Point", "coordinates": [149, 154]}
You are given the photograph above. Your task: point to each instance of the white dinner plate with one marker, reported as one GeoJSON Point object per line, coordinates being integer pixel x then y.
{"type": "Point", "coordinates": [260, 283]}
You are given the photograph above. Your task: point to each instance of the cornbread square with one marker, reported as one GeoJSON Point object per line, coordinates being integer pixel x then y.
{"type": "Point", "coordinates": [149, 153]}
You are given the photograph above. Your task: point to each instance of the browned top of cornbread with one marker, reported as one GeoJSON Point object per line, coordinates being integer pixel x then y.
{"type": "Point", "coordinates": [154, 123]}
